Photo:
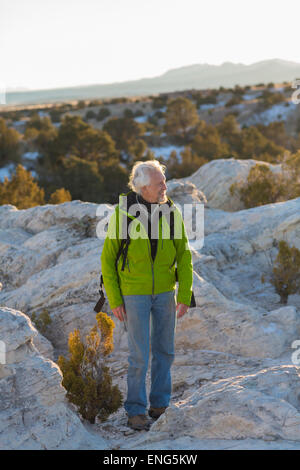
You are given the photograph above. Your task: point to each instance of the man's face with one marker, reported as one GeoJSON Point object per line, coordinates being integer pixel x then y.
{"type": "Point", "coordinates": [155, 191]}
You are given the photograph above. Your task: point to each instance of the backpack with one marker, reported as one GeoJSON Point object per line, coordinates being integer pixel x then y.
{"type": "Point", "coordinates": [123, 251]}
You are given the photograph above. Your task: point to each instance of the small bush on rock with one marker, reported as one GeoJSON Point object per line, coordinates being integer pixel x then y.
{"type": "Point", "coordinates": [86, 377]}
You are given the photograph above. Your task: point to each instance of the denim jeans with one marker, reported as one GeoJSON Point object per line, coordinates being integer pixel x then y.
{"type": "Point", "coordinates": [149, 318]}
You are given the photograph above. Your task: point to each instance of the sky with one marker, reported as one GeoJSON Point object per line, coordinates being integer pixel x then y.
{"type": "Point", "coordinates": [60, 43]}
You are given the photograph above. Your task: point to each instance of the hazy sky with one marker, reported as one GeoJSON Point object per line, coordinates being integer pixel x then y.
{"type": "Point", "coordinates": [54, 43]}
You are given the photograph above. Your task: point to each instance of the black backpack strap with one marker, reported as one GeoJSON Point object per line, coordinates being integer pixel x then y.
{"type": "Point", "coordinates": [193, 301]}
{"type": "Point", "coordinates": [171, 225]}
{"type": "Point", "coordinates": [122, 250]}
{"type": "Point", "coordinates": [99, 304]}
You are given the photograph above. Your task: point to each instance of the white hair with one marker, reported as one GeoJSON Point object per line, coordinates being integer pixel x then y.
{"type": "Point", "coordinates": [141, 173]}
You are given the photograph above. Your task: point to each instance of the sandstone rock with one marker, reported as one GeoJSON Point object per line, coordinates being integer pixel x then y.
{"type": "Point", "coordinates": [264, 405]}
{"type": "Point", "coordinates": [34, 413]}
{"type": "Point", "coordinates": [184, 192]}
{"type": "Point", "coordinates": [215, 178]}
{"type": "Point", "coordinates": [238, 339]}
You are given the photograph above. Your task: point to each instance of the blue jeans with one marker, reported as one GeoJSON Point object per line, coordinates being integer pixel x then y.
{"type": "Point", "coordinates": [159, 311]}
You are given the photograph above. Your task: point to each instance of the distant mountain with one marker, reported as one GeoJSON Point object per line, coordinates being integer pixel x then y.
{"type": "Point", "coordinates": [198, 76]}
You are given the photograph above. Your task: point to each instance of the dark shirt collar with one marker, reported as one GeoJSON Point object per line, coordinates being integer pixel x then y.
{"type": "Point", "coordinates": [141, 200]}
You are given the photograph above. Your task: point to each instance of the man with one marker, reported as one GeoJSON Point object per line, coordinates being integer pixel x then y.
{"type": "Point", "coordinates": [141, 286]}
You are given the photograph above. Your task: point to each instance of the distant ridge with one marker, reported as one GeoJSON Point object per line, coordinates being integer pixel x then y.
{"type": "Point", "coordinates": [197, 76]}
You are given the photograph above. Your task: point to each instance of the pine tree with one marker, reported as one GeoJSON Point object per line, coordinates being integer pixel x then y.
{"type": "Point", "coordinates": [59, 196]}
{"type": "Point", "coordinates": [86, 377]}
{"type": "Point", "coordinates": [181, 116]}
{"type": "Point", "coordinates": [21, 191]}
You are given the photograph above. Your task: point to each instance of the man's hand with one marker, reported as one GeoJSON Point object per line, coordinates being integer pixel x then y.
{"type": "Point", "coordinates": [181, 310]}
{"type": "Point", "coordinates": [119, 312]}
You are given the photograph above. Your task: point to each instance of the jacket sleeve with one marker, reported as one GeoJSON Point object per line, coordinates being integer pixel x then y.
{"type": "Point", "coordinates": [184, 262]}
{"type": "Point", "coordinates": [108, 260]}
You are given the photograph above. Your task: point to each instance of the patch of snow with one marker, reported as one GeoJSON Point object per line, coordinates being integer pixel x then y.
{"type": "Point", "coordinates": [248, 96]}
{"type": "Point", "coordinates": [278, 112]}
{"type": "Point", "coordinates": [6, 171]}
{"type": "Point", "coordinates": [141, 119]}
{"type": "Point", "coordinates": [239, 106]}
{"type": "Point", "coordinates": [165, 152]}
{"type": "Point", "coordinates": [219, 104]}
{"type": "Point", "coordinates": [276, 90]}
{"type": "Point", "coordinates": [30, 155]}
{"type": "Point", "coordinates": [43, 114]}
{"type": "Point", "coordinates": [204, 107]}
{"type": "Point", "coordinates": [18, 123]}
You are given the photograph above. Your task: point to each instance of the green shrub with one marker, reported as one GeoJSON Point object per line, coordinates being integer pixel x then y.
{"type": "Point", "coordinates": [285, 275]}
{"type": "Point", "coordinates": [262, 187]}
{"type": "Point", "coordinates": [41, 321]}
{"type": "Point", "coordinates": [86, 377]}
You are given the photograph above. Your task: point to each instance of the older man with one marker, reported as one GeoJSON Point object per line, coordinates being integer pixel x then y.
{"type": "Point", "coordinates": [140, 285]}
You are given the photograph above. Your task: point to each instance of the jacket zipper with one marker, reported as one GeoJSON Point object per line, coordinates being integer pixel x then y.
{"type": "Point", "coordinates": [149, 251]}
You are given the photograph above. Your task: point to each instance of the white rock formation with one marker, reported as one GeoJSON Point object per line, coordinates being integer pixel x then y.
{"type": "Point", "coordinates": [233, 377]}
{"type": "Point", "coordinates": [215, 178]}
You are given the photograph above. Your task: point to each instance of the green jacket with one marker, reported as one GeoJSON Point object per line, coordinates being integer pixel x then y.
{"type": "Point", "coordinates": [142, 275]}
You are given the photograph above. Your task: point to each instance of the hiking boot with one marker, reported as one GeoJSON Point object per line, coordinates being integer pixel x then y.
{"type": "Point", "coordinates": [139, 422]}
{"type": "Point", "coordinates": [155, 413]}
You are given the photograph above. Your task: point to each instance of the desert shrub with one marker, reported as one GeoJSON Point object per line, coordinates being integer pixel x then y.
{"type": "Point", "coordinates": [123, 131]}
{"type": "Point", "coordinates": [90, 114]}
{"type": "Point", "coordinates": [102, 114]}
{"type": "Point", "coordinates": [81, 104]}
{"type": "Point", "coordinates": [159, 101]}
{"type": "Point", "coordinates": [291, 175]}
{"type": "Point", "coordinates": [181, 115]}
{"type": "Point", "coordinates": [21, 191]}
{"type": "Point", "coordinates": [9, 144]}
{"type": "Point", "coordinates": [268, 98]}
{"type": "Point", "coordinates": [41, 321]}
{"type": "Point", "coordinates": [128, 113]}
{"type": "Point", "coordinates": [237, 99]}
{"type": "Point", "coordinates": [285, 275]}
{"type": "Point", "coordinates": [59, 196]}
{"type": "Point", "coordinates": [85, 375]}
{"type": "Point", "coordinates": [207, 143]}
{"type": "Point", "coordinates": [262, 187]}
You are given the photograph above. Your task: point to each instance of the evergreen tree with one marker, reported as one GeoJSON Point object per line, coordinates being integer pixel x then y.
{"type": "Point", "coordinates": [22, 191]}
{"type": "Point", "coordinates": [59, 196]}
{"type": "Point", "coordinates": [285, 275]}
{"type": "Point", "coordinates": [9, 144]}
{"type": "Point", "coordinates": [181, 116]}
{"type": "Point", "coordinates": [85, 375]}
{"type": "Point", "coordinates": [124, 131]}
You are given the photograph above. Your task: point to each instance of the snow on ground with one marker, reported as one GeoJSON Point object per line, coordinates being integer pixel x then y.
{"type": "Point", "coordinates": [30, 155]}
{"type": "Point", "coordinates": [141, 119]}
{"type": "Point", "coordinates": [251, 96]}
{"type": "Point", "coordinates": [6, 171]}
{"type": "Point", "coordinates": [204, 107]}
{"type": "Point", "coordinates": [43, 114]}
{"type": "Point", "coordinates": [278, 112]}
{"type": "Point", "coordinates": [166, 151]}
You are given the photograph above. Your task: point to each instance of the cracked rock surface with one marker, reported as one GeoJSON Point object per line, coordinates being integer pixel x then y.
{"type": "Point", "coordinates": [234, 382]}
